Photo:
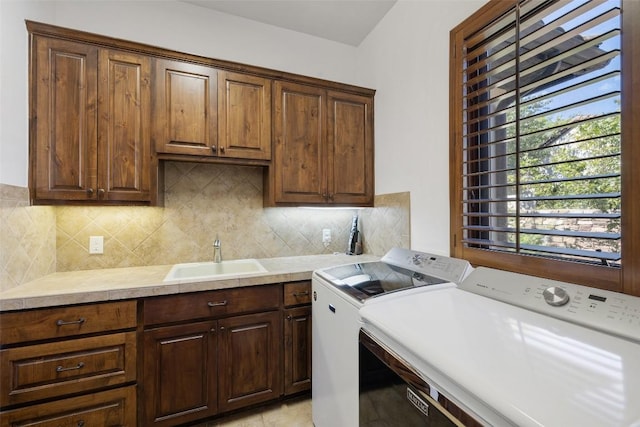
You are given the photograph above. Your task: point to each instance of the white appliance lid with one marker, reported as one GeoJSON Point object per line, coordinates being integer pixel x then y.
{"type": "Point", "coordinates": [495, 358]}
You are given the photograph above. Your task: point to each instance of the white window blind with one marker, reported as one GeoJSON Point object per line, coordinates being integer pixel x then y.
{"type": "Point", "coordinates": [541, 132]}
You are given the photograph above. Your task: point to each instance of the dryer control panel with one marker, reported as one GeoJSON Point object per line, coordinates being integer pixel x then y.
{"type": "Point", "coordinates": [610, 312]}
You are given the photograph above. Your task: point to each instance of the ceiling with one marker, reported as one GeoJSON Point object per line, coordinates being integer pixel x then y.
{"type": "Point", "coordinates": [344, 21]}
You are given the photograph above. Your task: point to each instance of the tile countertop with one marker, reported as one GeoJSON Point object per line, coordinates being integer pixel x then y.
{"type": "Point", "coordinates": [75, 287]}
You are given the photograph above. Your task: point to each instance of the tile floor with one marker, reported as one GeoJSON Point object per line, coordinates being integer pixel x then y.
{"type": "Point", "coordinates": [292, 413]}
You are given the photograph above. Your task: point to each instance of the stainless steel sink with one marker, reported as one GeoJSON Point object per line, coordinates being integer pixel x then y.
{"type": "Point", "coordinates": [191, 272]}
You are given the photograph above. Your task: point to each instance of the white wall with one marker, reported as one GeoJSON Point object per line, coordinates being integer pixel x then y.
{"type": "Point", "coordinates": [406, 59]}
{"type": "Point", "coordinates": [169, 24]}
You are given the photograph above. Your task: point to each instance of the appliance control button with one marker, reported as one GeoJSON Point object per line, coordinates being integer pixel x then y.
{"type": "Point", "coordinates": [555, 296]}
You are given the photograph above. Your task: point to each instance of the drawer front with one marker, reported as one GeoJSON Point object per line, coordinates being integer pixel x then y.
{"type": "Point", "coordinates": [297, 293]}
{"type": "Point", "coordinates": [55, 369]}
{"type": "Point", "coordinates": [109, 408]}
{"type": "Point", "coordinates": [210, 304]}
{"type": "Point", "coordinates": [61, 322]}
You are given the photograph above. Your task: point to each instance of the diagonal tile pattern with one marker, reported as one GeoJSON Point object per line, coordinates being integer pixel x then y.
{"type": "Point", "coordinates": [201, 201]}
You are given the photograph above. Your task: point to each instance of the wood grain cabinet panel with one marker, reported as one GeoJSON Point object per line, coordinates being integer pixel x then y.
{"type": "Point", "coordinates": [250, 360]}
{"type": "Point", "coordinates": [91, 115]}
{"type": "Point", "coordinates": [350, 148]}
{"type": "Point", "coordinates": [297, 293]}
{"type": "Point", "coordinates": [211, 304]}
{"type": "Point", "coordinates": [323, 147]}
{"type": "Point", "coordinates": [185, 106]}
{"type": "Point", "coordinates": [62, 322]}
{"type": "Point", "coordinates": [108, 408]}
{"type": "Point", "coordinates": [41, 371]}
{"type": "Point", "coordinates": [180, 373]}
{"type": "Point", "coordinates": [297, 349]}
{"type": "Point", "coordinates": [244, 116]}
{"type": "Point", "coordinates": [299, 144]}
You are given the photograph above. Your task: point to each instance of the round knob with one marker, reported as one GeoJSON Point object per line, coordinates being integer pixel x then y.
{"type": "Point", "coordinates": [555, 296]}
{"type": "Point", "coordinates": [222, 149]}
{"type": "Point", "coordinates": [101, 192]}
{"type": "Point", "coordinates": [90, 191]}
{"type": "Point", "coordinates": [214, 148]}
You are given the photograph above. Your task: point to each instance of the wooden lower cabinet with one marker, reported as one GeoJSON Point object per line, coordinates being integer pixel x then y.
{"type": "Point", "coordinates": [195, 370]}
{"type": "Point", "coordinates": [108, 408]}
{"type": "Point", "coordinates": [180, 371]}
{"type": "Point", "coordinates": [249, 350]}
{"type": "Point", "coordinates": [297, 349]}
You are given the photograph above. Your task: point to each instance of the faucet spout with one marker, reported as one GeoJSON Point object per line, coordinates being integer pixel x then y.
{"type": "Point", "coordinates": [217, 250]}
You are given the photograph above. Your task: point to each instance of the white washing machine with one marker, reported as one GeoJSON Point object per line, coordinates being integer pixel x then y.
{"type": "Point", "coordinates": [338, 294]}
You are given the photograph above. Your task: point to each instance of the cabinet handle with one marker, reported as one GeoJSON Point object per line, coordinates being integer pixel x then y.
{"type": "Point", "coordinates": [80, 423]}
{"type": "Point", "coordinates": [301, 294]}
{"type": "Point", "coordinates": [217, 304]}
{"type": "Point", "coordinates": [61, 322]}
{"type": "Point", "coordinates": [89, 192]}
{"type": "Point", "coordinates": [289, 317]}
{"type": "Point", "coordinates": [78, 366]}
{"type": "Point", "coordinates": [222, 328]}
{"type": "Point", "coordinates": [222, 149]}
{"type": "Point", "coordinates": [100, 192]}
{"type": "Point", "coordinates": [330, 196]}
{"type": "Point", "coordinates": [214, 148]}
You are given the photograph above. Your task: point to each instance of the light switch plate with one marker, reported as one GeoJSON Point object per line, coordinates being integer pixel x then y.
{"type": "Point", "coordinates": [96, 244]}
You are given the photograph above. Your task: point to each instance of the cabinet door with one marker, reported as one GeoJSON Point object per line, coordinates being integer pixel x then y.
{"type": "Point", "coordinates": [124, 140]}
{"type": "Point", "coordinates": [64, 113]}
{"type": "Point", "coordinates": [299, 144]}
{"type": "Point", "coordinates": [244, 116]}
{"type": "Point", "coordinates": [249, 360]}
{"type": "Point", "coordinates": [185, 108]}
{"type": "Point", "coordinates": [350, 149]}
{"type": "Point", "coordinates": [179, 373]}
{"type": "Point", "coordinates": [297, 349]}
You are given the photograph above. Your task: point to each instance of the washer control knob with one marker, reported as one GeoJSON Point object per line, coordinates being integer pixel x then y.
{"type": "Point", "coordinates": [555, 296]}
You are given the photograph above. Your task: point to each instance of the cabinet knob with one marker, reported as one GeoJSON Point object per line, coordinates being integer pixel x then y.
{"type": "Point", "coordinates": [214, 148]}
{"type": "Point", "coordinates": [89, 191]}
{"type": "Point", "coordinates": [101, 192]}
{"type": "Point", "coordinates": [222, 149]}
{"type": "Point", "coordinates": [289, 317]}
{"type": "Point", "coordinates": [222, 328]}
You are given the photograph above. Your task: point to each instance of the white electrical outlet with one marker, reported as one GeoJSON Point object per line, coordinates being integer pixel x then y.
{"type": "Point", "coordinates": [326, 236]}
{"type": "Point", "coordinates": [96, 244]}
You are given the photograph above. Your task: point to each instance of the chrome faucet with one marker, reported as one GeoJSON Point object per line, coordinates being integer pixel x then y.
{"type": "Point", "coordinates": [217, 250]}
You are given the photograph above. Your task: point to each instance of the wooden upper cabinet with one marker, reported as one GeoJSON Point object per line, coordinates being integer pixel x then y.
{"type": "Point", "coordinates": [64, 109]}
{"type": "Point", "coordinates": [244, 116]}
{"type": "Point", "coordinates": [350, 148]}
{"type": "Point", "coordinates": [300, 148]}
{"type": "Point", "coordinates": [323, 147]}
{"type": "Point", "coordinates": [90, 111]}
{"type": "Point", "coordinates": [124, 143]}
{"type": "Point", "coordinates": [185, 108]}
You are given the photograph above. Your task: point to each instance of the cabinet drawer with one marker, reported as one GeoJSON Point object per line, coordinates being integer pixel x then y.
{"type": "Point", "coordinates": [109, 408]}
{"type": "Point", "coordinates": [209, 304]}
{"type": "Point", "coordinates": [297, 293]}
{"type": "Point", "coordinates": [55, 369]}
{"type": "Point", "coordinates": [60, 322]}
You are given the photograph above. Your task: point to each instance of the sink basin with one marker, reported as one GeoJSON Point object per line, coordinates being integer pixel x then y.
{"type": "Point", "coordinates": [196, 271]}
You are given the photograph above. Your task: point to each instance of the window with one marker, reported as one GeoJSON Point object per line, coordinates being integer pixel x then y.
{"type": "Point", "coordinates": [542, 139]}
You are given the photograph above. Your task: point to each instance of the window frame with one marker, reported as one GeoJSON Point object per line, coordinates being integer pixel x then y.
{"type": "Point", "coordinates": [625, 279]}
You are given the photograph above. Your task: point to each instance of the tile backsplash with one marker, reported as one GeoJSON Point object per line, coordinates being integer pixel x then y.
{"type": "Point", "coordinates": [202, 201]}
{"type": "Point", "coordinates": [27, 238]}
